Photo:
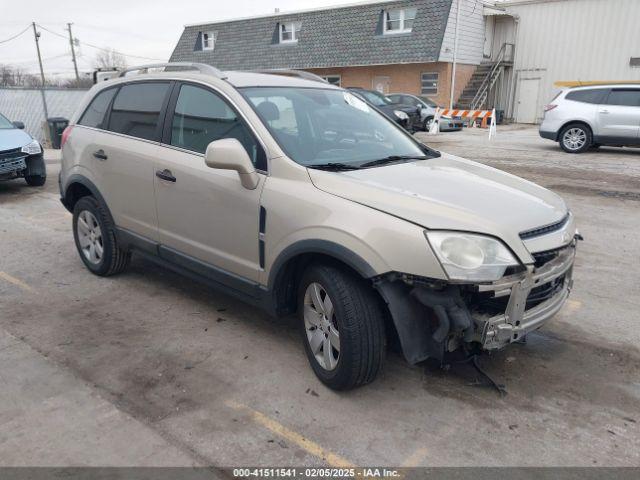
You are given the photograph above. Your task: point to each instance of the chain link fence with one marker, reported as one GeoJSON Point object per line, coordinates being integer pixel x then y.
{"type": "Point", "coordinates": [25, 105]}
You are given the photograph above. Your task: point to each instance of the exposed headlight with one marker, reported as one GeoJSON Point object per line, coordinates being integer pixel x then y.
{"type": "Point", "coordinates": [32, 149]}
{"type": "Point", "coordinates": [401, 115]}
{"type": "Point", "coordinates": [470, 257]}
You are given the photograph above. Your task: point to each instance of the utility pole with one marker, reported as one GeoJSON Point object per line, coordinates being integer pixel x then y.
{"type": "Point", "coordinates": [455, 56]}
{"type": "Point", "coordinates": [73, 52]}
{"type": "Point", "coordinates": [36, 35]}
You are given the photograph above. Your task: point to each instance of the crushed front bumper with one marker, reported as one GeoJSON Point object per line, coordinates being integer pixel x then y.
{"type": "Point", "coordinates": [433, 317]}
{"type": "Point", "coordinates": [497, 331]}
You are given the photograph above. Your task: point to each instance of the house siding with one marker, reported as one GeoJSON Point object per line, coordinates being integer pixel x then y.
{"type": "Point", "coordinates": [471, 33]}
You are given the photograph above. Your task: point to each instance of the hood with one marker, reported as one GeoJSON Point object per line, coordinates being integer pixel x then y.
{"type": "Point", "coordinates": [450, 193]}
{"type": "Point", "coordinates": [13, 138]}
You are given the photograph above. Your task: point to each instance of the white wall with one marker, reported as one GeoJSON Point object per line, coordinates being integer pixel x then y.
{"type": "Point", "coordinates": [470, 33]}
{"type": "Point", "coordinates": [568, 40]}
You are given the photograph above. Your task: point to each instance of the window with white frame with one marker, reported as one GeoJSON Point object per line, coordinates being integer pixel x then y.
{"type": "Point", "coordinates": [429, 83]}
{"type": "Point", "coordinates": [399, 20]}
{"type": "Point", "coordinates": [208, 40]}
{"type": "Point", "coordinates": [333, 79]}
{"type": "Point", "coordinates": [289, 31]}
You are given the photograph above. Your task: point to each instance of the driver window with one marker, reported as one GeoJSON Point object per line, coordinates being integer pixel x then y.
{"type": "Point", "coordinates": [201, 117]}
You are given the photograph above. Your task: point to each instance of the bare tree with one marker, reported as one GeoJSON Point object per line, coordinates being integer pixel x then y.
{"type": "Point", "coordinates": [11, 76]}
{"type": "Point", "coordinates": [110, 58]}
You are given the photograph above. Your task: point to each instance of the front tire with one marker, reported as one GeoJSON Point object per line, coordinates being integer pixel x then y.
{"type": "Point", "coordinates": [575, 138]}
{"type": "Point", "coordinates": [96, 240]}
{"type": "Point", "coordinates": [342, 326]}
{"type": "Point", "coordinates": [35, 180]}
{"type": "Point", "coordinates": [427, 123]}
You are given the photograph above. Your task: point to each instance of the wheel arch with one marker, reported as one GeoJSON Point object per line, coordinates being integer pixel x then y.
{"type": "Point", "coordinates": [572, 122]}
{"type": "Point", "coordinates": [288, 267]}
{"type": "Point", "coordinates": [79, 186]}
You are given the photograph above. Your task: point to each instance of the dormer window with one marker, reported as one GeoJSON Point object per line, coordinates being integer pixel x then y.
{"type": "Point", "coordinates": [399, 20]}
{"type": "Point", "coordinates": [208, 40]}
{"type": "Point", "coordinates": [289, 32]}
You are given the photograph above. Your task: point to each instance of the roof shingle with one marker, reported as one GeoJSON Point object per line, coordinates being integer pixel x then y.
{"type": "Point", "coordinates": [340, 36]}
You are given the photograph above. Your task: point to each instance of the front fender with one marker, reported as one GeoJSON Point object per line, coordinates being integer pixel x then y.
{"type": "Point", "coordinates": [329, 248]}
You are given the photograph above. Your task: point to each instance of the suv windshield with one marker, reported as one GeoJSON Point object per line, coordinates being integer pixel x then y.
{"type": "Point", "coordinates": [329, 127]}
{"type": "Point", "coordinates": [5, 124]}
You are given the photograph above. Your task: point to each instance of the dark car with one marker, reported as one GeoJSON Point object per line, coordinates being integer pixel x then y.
{"type": "Point", "coordinates": [406, 115]}
{"type": "Point", "coordinates": [427, 112]}
{"type": "Point", "coordinates": [20, 155]}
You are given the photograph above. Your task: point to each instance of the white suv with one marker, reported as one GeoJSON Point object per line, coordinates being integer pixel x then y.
{"type": "Point", "coordinates": [585, 117]}
{"type": "Point", "coordinates": [295, 195]}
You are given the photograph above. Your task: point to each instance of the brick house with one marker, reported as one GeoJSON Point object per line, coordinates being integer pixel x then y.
{"type": "Point", "coordinates": [391, 46]}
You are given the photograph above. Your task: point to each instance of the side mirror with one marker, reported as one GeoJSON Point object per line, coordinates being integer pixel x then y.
{"type": "Point", "coordinates": [19, 125]}
{"type": "Point", "coordinates": [229, 154]}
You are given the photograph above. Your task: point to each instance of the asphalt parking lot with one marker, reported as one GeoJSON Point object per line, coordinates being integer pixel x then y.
{"type": "Point", "coordinates": [149, 368]}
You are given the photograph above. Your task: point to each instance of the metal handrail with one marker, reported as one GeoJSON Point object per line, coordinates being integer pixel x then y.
{"type": "Point", "coordinates": [200, 67]}
{"type": "Point", "coordinates": [488, 81]}
{"type": "Point", "coordinates": [293, 73]}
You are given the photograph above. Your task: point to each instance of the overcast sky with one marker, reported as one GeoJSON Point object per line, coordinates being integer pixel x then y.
{"type": "Point", "coordinates": [135, 27]}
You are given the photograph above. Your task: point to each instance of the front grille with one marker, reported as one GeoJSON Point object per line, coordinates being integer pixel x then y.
{"type": "Point", "coordinates": [544, 292]}
{"type": "Point", "coordinates": [538, 232]}
{"type": "Point", "coordinates": [12, 160]}
{"type": "Point", "coordinates": [542, 258]}
{"type": "Point", "coordinates": [15, 152]}
{"type": "Point", "coordinates": [486, 303]}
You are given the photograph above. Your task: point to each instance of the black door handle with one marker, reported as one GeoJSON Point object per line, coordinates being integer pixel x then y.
{"type": "Point", "coordinates": [166, 175]}
{"type": "Point", "coordinates": [100, 155]}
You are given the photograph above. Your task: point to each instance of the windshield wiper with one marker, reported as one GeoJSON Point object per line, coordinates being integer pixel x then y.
{"type": "Point", "coordinates": [392, 159]}
{"type": "Point", "coordinates": [333, 167]}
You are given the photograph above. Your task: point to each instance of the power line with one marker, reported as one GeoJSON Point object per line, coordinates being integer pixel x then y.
{"type": "Point", "coordinates": [16, 35]}
{"type": "Point", "coordinates": [101, 48]}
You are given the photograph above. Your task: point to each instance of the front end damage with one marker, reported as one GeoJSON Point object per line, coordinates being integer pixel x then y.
{"type": "Point", "coordinates": [433, 317]}
{"type": "Point", "coordinates": [17, 164]}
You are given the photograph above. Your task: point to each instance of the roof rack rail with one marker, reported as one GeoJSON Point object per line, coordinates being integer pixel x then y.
{"type": "Point", "coordinates": [293, 73]}
{"type": "Point", "coordinates": [200, 67]}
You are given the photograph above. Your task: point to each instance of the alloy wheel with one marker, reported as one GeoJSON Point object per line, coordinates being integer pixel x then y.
{"type": "Point", "coordinates": [90, 237]}
{"type": "Point", "coordinates": [574, 138]}
{"type": "Point", "coordinates": [321, 327]}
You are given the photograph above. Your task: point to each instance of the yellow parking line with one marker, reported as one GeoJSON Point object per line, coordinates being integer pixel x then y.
{"type": "Point", "coordinates": [311, 447]}
{"type": "Point", "coordinates": [415, 458]}
{"type": "Point", "coordinates": [15, 281]}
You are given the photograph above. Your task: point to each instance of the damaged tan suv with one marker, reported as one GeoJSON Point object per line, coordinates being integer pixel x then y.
{"type": "Point", "coordinates": [297, 196]}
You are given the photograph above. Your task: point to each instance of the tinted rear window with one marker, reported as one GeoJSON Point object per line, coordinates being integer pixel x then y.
{"type": "Point", "coordinates": [136, 109]}
{"type": "Point", "coordinates": [93, 116]}
{"type": "Point", "coordinates": [595, 95]}
{"type": "Point", "coordinates": [627, 98]}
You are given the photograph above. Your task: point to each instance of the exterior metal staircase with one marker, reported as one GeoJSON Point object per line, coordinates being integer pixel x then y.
{"type": "Point", "coordinates": [476, 92]}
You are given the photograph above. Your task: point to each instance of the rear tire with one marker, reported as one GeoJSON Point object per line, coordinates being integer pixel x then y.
{"type": "Point", "coordinates": [575, 138]}
{"type": "Point", "coordinates": [351, 319]}
{"type": "Point", "coordinates": [35, 180]}
{"type": "Point", "coordinates": [96, 240]}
